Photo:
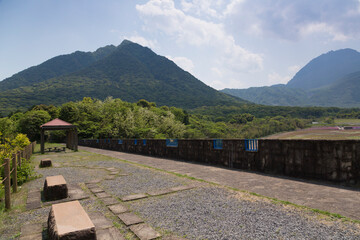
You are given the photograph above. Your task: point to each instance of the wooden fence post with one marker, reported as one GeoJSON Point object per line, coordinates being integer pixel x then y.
{"type": "Point", "coordinates": [7, 183]}
{"type": "Point", "coordinates": [18, 155]}
{"type": "Point", "coordinates": [14, 173]}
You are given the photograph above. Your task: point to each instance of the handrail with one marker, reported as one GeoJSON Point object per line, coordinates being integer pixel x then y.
{"type": "Point", "coordinates": [3, 180]}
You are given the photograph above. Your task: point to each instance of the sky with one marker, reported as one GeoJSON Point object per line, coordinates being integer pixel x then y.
{"type": "Point", "coordinates": [225, 44]}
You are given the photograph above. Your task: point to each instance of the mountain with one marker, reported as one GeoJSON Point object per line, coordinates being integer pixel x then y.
{"type": "Point", "coordinates": [55, 67]}
{"type": "Point", "coordinates": [326, 69]}
{"type": "Point", "coordinates": [276, 95]}
{"type": "Point", "coordinates": [129, 71]}
{"type": "Point", "coordinates": [330, 80]}
{"type": "Point", "coordinates": [342, 93]}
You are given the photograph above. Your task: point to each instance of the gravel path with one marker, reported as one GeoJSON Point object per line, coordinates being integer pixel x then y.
{"type": "Point", "coordinates": [72, 175]}
{"type": "Point", "coordinates": [205, 212]}
{"type": "Point", "coordinates": [216, 213]}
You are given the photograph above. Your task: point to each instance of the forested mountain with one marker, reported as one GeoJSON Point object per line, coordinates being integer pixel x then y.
{"type": "Point", "coordinates": [129, 72]}
{"type": "Point", "coordinates": [276, 95]}
{"type": "Point", "coordinates": [332, 79]}
{"type": "Point", "coordinates": [55, 67]}
{"type": "Point", "coordinates": [326, 69]}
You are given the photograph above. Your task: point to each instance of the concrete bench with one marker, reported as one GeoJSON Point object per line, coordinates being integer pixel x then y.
{"type": "Point", "coordinates": [55, 188]}
{"type": "Point", "coordinates": [70, 221]}
{"type": "Point", "coordinates": [45, 162]}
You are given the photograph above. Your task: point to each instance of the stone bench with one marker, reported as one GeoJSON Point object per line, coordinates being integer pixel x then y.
{"type": "Point", "coordinates": [55, 188]}
{"type": "Point", "coordinates": [45, 162]}
{"type": "Point", "coordinates": [70, 221]}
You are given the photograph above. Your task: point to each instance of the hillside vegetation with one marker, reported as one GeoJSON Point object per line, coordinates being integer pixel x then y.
{"type": "Point", "coordinates": [114, 118]}
{"type": "Point", "coordinates": [130, 72]}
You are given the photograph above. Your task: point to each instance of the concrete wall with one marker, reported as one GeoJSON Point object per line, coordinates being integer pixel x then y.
{"type": "Point", "coordinates": [333, 160]}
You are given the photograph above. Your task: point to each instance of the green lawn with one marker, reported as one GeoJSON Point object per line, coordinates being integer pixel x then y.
{"type": "Point", "coordinates": [347, 121]}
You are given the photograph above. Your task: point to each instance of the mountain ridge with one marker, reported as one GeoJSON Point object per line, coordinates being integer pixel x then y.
{"type": "Point", "coordinates": [328, 80]}
{"type": "Point", "coordinates": [130, 72]}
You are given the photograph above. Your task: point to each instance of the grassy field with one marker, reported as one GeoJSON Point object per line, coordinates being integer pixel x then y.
{"type": "Point", "coordinates": [342, 121]}
{"type": "Point", "coordinates": [318, 134]}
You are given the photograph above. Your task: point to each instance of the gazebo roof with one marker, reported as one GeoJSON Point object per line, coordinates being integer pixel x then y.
{"type": "Point", "coordinates": [57, 123]}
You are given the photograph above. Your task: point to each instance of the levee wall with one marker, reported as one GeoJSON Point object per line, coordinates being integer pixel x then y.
{"type": "Point", "coordinates": [331, 160]}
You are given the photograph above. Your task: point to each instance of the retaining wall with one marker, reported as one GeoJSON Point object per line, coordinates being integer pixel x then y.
{"type": "Point", "coordinates": [331, 160]}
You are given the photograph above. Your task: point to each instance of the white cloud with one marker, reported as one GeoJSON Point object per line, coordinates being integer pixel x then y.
{"type": "Point", "coordinates": [294, 69]}
{"type": "Point", "coordinates": [292, 20]}
{"type": "Point", "coordinates": [142, 41]}
{"type": "Point", "coordinates": [183, 62]}
{"type": "Point", "coordinates": [275, 78]}
{"type": "Point", "coordinates": [202, 7]}
{"type": "Point", "coordinates": [163, 16]}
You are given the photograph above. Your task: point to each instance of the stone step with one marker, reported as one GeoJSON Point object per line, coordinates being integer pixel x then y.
{"type": "Point", "coordinates": [55, 188]}
{"type": "Point", "coordinates": [70, 221]}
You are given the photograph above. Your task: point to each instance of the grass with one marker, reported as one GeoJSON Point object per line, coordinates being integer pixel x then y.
{"type": "Point", "coordinates": [345, 121]}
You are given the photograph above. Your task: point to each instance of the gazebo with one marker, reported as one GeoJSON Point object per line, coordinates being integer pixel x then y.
{"type": "Point", "coordinates": [58, 124]}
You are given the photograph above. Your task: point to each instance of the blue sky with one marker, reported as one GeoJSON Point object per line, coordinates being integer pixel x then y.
{"type": "Point", "coordinates": [225, 44]}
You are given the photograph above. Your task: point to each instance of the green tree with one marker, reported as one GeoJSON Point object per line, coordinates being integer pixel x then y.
{"type": "Point", "coordinates": [31, 122]}
{"type": "Point", "coordinates": [69, 112]}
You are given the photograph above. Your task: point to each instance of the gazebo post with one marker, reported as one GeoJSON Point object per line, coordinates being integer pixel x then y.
{"type": "Point", "coordinates": [42, 141]}
{"type": "Point", "coordinates": [75, 140]}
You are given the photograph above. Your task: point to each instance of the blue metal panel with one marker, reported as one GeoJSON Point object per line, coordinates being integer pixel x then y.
{"type": "Point", "coordinates": [251, 145]}
{"type": "Point", "coordinates": [135, 141]}
{"type": "Point", "coordinates": [120, 141]}
{"type": "Point", "coordinates": [218, 144]}
{"type": "Point", "coordinates": [144, 142]}
{"type": "Point", "coordinates": [171, 142]}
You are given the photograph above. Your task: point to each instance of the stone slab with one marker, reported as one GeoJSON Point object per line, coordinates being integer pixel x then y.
{"type": "Point", "coordinates": [91, 185]}
{"type": "Point", "coordinates": [29, 229]}
{"type": "Point", "coordinates": [102, 195]}
{"type": "Point", "coordinates": [45, 162]}
{"type": "Point", "coordinates": [34, 200]}
{"type": "Point", "coordinates": [100, 221]}
{"type": "Point", "coordinates": [111, 169]}
{"type": "Point", "coordinates": [94, 181]}
{"type": "Point", "coordinates": [130, 218]}
{"type": "Point", "coordinates": [55, 180]}
{"type": "Point", "coordinates": [70, 221]}
{"type": "Point", "coordinates": [34, 196]}
{"type": "Point", "coordinates": [109, 201]}
{"type": "Point", "coordinates": [96, 190]}
{"type": "Point", "coordinates": [118, 208]}
{"type": "Point", "coordinates": [144, 232]}
{"type": "Point", "coordinates": [181, 188]}
{"type": "Point", "coordinates": [33, 205]}
{"type": "Point", "coordinates": [55, 188]}
{"type": "Point", "coordinates": [35, 236]}
{"type": "Point", "coordinates": [77, 194]}
{"type": "Point", "coordinates": [109, 234]}
{"type": "Point", "coordinates": [160, 192]}
{"type": "Point", "coordinates": [133, 197]}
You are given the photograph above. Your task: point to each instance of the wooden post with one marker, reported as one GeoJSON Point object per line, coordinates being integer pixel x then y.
{"type": "Point", "coordinates": [42, 142]}
{"type": "Point", "coordinates": [7, 183]}
{"type": "Point", "coordinates": [14, 173]}
{"type": "Point", "coordinates": [75, 140]}
{"type": "Point", "coordinates": [18, 155]}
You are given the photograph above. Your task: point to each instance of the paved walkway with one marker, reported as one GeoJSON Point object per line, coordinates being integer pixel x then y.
{"type": "Point", "coordinates": [329, 198]}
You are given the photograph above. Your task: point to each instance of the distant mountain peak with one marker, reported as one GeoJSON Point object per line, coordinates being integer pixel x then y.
{"type": "Point", "coordinates": [326, 69]}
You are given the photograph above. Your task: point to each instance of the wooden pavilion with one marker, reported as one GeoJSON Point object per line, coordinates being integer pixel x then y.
{"type": "Point", "coordinates": [58, 124]}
